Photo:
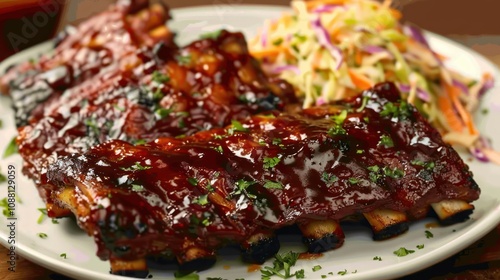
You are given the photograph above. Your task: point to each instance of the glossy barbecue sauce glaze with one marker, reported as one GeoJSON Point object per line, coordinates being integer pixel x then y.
{"type": "Point", "coordinates": [168, 93]}
{"type": "Point", "coordinates": [223, 185]}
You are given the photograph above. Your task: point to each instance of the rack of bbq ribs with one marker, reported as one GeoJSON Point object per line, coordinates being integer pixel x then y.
{"type": "Point", "coordinates": [158, 149]}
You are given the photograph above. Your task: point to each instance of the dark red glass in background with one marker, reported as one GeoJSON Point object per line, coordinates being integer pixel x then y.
{"type": "Point", "coordinates": [26, 23]}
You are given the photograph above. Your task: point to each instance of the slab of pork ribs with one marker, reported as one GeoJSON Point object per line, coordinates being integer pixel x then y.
{"type": "Point", "coordinates": [373, 155]}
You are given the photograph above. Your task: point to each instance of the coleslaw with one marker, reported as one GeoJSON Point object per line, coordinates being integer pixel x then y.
{"type": "Point", "coordinates": [332, 49]}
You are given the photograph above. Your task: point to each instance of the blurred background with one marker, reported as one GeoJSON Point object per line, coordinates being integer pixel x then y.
{"type": "Point", "coordinates": [24, 23]}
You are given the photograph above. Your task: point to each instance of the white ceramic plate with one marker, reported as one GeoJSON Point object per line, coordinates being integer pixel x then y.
{"type": "Point", "coordinates": [358, 251]}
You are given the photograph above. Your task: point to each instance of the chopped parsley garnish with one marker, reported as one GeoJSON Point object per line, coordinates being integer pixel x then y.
{"type": "Point", "coordinates": [428, 234]}
{"type": "Point", "coordinates": [336, 130]}
{"type": "Point", "coordinates": [183, 276]}
{"type": "Point", "coordinates": [183, 59]}
{"type": "Point", "coordinates": [329, 178]}
{"type": "Point", "coordinates": [282, 267]}
{"type": "Point", "coordinates": [218, 137]}
{"type": "Point", "coordinates": [162, 112]}
{"type": "Point", "coordinates": [237, 126]}
{"type": "Point", "coordinates": [401, 252]}
{"type": "Point", "coordinates": [271, 162]}
{"type": "Point", "coordinates": [393, 111]}
{"type": "Point", "coordinates": [343, 272]}
{"type": "Point", "coordinates": [323, 276]}
{"type": "Point", "coordinates": [426, 165]}
{"type": "Point", "coordinates": [300, 274]}
{"type": "Point", "coordinates": [373, 168]}
{"type": "Point", "coordinates": [55, 221]}
{"type": "Point", "coordinates": [139, 142]}
{"type": "Point", "coordinates": [11, 148]}
{"type": "Point", "coordinates": [219, 149]}
{"type": "Point", "coordinates": [393, 173]}
{"type": "Point", "coordinates": [386, 141]}
{"type": "Point", "coordinates": [420, 247]}
{"type": "Point", "coordinates": [1, 124]}
{"type": "Point", "coordinates": [377, 258]}
{"type": "Point", "coordinates": [242, 186]}
{"type": "Point", "coordinates": [137, 188]}
{"type": "Point", "coordinates": [211, 35]}
{"type": "Point", "coordinates": [193, 181]}
{"type": "Point", "coordinates": [42, 235]}
{"type": "Point", "coordinates": [273, 185]}
{"type": "Point", "coordinates": [366, 119]}
{"type": "Point", "coordinates": [485, 111]}
{"type": "Point", "coordinates": [360, 151]}
{"type": "Point", "coordinates": [63, 255]}
{"type": "Point", "coordinates": [316, 268]}
{"type": "Point", "coordinates": [92, 124]}
{"type": "Point", "coordinates": [2, 178]}
{"type": "Point", "coordinates": [160, 78]}
{"type": "Point", "coordinates": [353, 180]}
{"type": "Point", "coordinates": [277, 141]}
{"type": "Point", "coordinates": [340, 118]}
{"type": "Point", "coordinates": [43, 214]}
{"type": "Point", "coordinates": [201, 200]}
{"type": "Point", "coordinates": [137, 166]}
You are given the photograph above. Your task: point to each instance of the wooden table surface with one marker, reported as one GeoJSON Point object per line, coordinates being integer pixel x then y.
{"type": "Point", "coordinates": [452, 268]}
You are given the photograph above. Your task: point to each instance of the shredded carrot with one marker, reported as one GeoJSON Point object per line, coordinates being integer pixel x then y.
{"type": "Point", "coordinates": [446, 108]}
{"type": "Point", "coordinates": [317, 60]}
{"type": "Point", "coordinates": [360, 81]}
{"type": "Point", "coordinates": [271, 51]}
{"type": "Point", "coordinates": [454, 93]}
{"type": "Point", "coordinates": [315, 3]}
{"type": "Point", "coordinates": [358, 57]}
{"type": "Point", "coordinates": [440, 56]}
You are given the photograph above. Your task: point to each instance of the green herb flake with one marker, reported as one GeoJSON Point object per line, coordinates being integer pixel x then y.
{"type": "Point", "coordinates": [353, 180]}
{"type": "Point", "coordinates": [201, 200]}
{"type": "Point", "coordinates": [323, 276]}
{"type": "Point", "coordinates": [300, 274]}
{"type": "Point", "coordinates": [237, 126]}
{"type": "Point", "coordinates": [241, 188]}
{"type": "Point", "coordinates": [273, 185]}
{"type": "Point", "coordinates": [359, 152]}
{"type": "Point", "coordinates": [63, 255]}
{"type": "Point", "coordinates": [160, 78]}
{"type": "Point", "coordinates": [377, 258]}
{"type": "Point", "coordinates": [3, 179]}
{"type": "Point", "coordinates": [211, 35]}
{"type": "Point", "coordinates": [428, 234]}
{"type": "Point", "coordinates": [1, 124]}
{"type": "Point", "coordinates": [193, 181]}
{"type": "Point", "coordinates": [420, 247]}
{"type": "Point", "coordinates": [316, 268]}
{"type": "Point", "coordinates": [55, 221]}
{"type": "Point", "coordinates": [184, 59]}
{"type": "Point", "coordinates": [219, 149]}
{"type": "Point", "coordinates": [136, 167]}
{"type": "Point", "coordinates": [137, 188]}
{"type": "Point", "coordinates": [393, 173]}
{"type": "Point", "coordinates": [393, 111]}
{"type": "Point", "coordinates": [401, 252]}
{"type": "Point", "coordinates": [43, 214]}
{"type": "Point", "coordinates": [485, 111]}
{"type": "Point", "coordinates": [139, 142]}
{"type": "Point", "coordinates": [340, 118]}
{"type": "Point", "coordinates": [4, 204]}
{"type": "Point", "coordinates": [119, 108]}
{"type": "Point", "coordinates": [427, 165]}
{"type": "Point", "coordinates": [271, 162]}
{"type": "Point", "coordinates": [336, 130]}
{"type": "Point", "coordinates": [11, 148]}
{"type": "Point", "coordinates": [161, 113]}
{"type": "Point", "coordinates": [281, 266]}
{"type": "Point", "coordinates": [43, 235]}
{"type": "Point", "coordinates": [343, 272]}
{"type": "Point", "coordinates": [183, 276]}
{"type": "Point", "coordinates": [386, 141]}
{"type": "Point", "coordinates": [329, 178]}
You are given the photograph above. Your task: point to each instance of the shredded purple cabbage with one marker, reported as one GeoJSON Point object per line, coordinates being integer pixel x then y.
{"type": "Point", "coordinates": [488, 84]}
{"type": "Point", "coordinates": [461, 85]}
{"type": "Point", "coordinates": [326, 8]}
{"type": "Point", "coordinates": [478, 154]}
{"type": "Point", "coordinates": [422, 94]}
{"type": "Point", "coordinates": [282, 68]}
{"type": "Point", "coordinates": [376, 49]}
{"type": "Point", "coordinates": [325, 40]}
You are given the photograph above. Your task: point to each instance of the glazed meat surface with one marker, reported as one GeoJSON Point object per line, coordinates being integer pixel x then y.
{"type": "Point", "coordinates": [106, 43]}
{"type": "Point", "coordinates": [224, 185]}
{"type": "Point", "coordinates": [169, 93]}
